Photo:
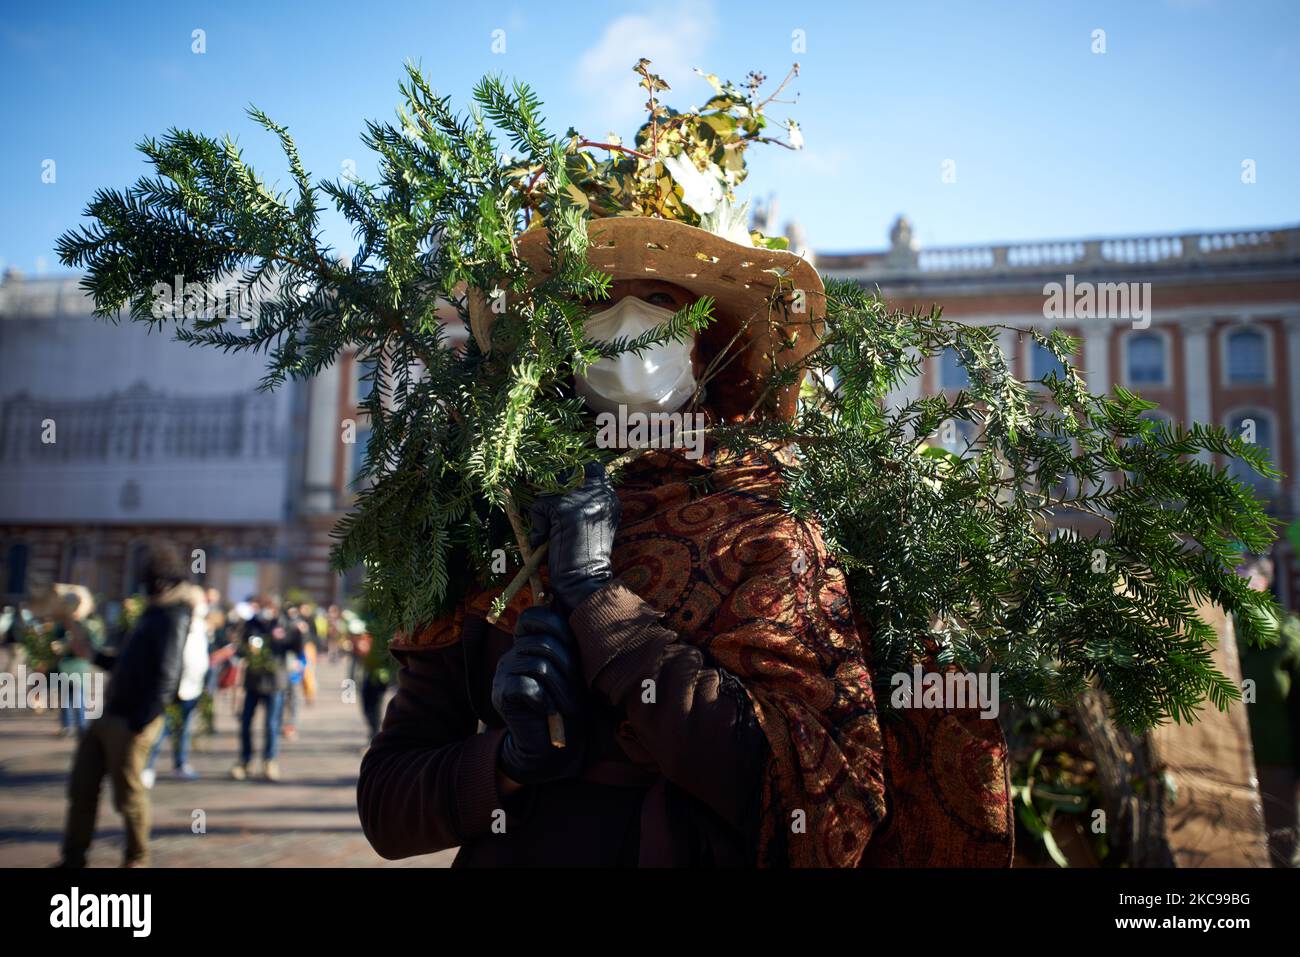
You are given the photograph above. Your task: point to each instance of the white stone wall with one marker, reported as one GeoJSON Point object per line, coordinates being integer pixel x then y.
{"type": "Point", "coordinates": [146, 429]}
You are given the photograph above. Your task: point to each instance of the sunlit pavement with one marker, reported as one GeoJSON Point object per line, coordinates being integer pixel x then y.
{"type": "Point", "coordinates": [307, 819]}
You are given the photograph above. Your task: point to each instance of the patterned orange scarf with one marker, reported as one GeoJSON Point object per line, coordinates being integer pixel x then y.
{"type": "Point", "coordinates": [709, 544]}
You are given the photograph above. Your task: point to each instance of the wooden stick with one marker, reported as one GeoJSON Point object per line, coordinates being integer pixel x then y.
{"type": "Point", "coordinates": [521, 540]}
{"type": "Point", "coordinates": [528, 573]}
{"type": "Point", "coordinates": [525, 573]}
{"type": "Point", "coordinates": [555, 725]}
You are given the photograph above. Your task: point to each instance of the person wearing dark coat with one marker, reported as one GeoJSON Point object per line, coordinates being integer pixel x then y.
{"type": "Point", "coordinates": [144, 677]}
{"type": "Point", "coordinates": [699, 648]}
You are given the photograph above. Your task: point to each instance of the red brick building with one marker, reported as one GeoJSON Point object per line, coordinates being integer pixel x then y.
{"type": "Point", "coordinates": [1219, 341]}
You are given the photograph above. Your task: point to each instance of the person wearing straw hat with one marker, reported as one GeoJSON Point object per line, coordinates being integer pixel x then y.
{"type": "Point", "coordinates": [70, 607]}
{"type": "Point", "coordinates": [699, 648]}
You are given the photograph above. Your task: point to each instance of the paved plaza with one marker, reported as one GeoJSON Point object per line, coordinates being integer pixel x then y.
{"type": "Point", "coordinates": [308, 819]}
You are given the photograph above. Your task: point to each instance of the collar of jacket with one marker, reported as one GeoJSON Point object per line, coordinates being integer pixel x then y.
{"type": "Point", "coordinates": [182, 593]}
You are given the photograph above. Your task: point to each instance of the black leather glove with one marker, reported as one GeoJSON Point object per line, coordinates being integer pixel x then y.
{"type": "Point", "coordinates": [580, 526]}
{"type": "Point", "coordinates": [537, 677]}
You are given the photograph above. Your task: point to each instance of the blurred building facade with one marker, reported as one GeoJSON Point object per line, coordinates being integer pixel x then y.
{"type": "Point", "coordinates": [111, 434]}
{"type": "Point", "coordinates": [1220, 343]}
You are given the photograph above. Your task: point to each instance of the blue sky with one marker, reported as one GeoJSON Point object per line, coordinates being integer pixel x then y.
{"type": "Point", "coordinates": [1048, 138]}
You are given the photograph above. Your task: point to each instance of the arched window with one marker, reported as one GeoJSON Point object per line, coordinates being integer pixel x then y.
{"type": "Point", "coordinates": [1043, 363]}
{"type": "Point", "coordinates": [1247, 357]}
{"type": "Point", "coordinates": [1254, 427]}
{"type": "Point", "coordinates": [1152, 416]}
{"type": "Point", "coordinates": [956, 435]}
{"type": "Point", "coordinates": [1146, 360]}
{"type": "Point", "coordinates": [952, 374]}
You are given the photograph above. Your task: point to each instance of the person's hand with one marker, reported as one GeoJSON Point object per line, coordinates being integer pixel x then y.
{"type": "Point", "coordinates": [580, 526]}
{"type": "Point", "coordinates": [536, 677]}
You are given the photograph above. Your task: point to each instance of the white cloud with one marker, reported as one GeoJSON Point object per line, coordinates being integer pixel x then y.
{"type": "Point", "coordinates": [675, 38]}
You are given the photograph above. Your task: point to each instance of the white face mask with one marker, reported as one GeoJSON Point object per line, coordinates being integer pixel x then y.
{"type": "Point", "coordinates": [661, 379]}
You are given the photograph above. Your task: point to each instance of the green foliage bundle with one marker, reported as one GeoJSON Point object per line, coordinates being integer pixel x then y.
{"type": "Point", "coordinates": [1068, 539]}
{"type": "Point", "coordinates": [951, 553]}
{"type": "Point", "coordinates": [42, 646]}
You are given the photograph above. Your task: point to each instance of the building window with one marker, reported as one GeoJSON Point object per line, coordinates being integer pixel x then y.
{"type": "Point", "coordinates": [365, 380]}
{"type": "Point", "coordinates": [1043, 363]}
{"type": "Point", "coordinates": [1068, 486]}
{"type": "Point", "coordinates": [1247, 357]}
{"type": "Point", "coordinates": [359, 451]}
{"type": "Point", "coordinates": [1254, 427]}
{"type": "Point", "coordinates": [952, 374]}
{"type": "Point", "coordinates": [16, 568]}
{"type": "Point", "coordinates": [200, 569]}
{"type": "Point", "coordinates": [135, 556]}
{"type": "Point", "coordinates": [957, 436]}
{"type": "Point", "coordinates": [242, 581]}
{"type": "Point", "coordinates": [1146, 360]}
{"type": "Point", "coordinates": [1151, 416]}
{"type": "Point", "coordinates": [79, 565]}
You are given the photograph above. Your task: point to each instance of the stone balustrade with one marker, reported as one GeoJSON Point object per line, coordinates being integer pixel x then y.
{"type": "Point", "coordinates": [1170, 250]}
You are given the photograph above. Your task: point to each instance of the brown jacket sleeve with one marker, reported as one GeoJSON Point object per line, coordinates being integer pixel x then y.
{"type": "Point", "coordinates": [428, 781]}
{"type": "Point", "coordinates": [700, 728]}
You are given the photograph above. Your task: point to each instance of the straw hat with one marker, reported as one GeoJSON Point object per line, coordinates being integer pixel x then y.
{"type": "Point", "coordinates": [741, 279]}
{"type": "Point", "coordinates": [62, 602]}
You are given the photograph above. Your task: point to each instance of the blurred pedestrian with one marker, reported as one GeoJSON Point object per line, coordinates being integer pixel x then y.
{"type": "Point", "coordinates": [10, 626]}
{"type": "Point", "coordinates": [307, 612]}
{"type": "Point", "coordinates": [66, 611]}
{"type": "Point", "coordinates": [268, 647]}
{"type": "Point", "coordinates": [294, 694]}
{"type": "Point", "coordinates": [309, 674]}
{"type": "Point", "coordinates": [194, 673]}
{"type": "Point", "coordinates": [145, 676]}
{"type": "Point", "coordinates": [333, 633]}
{"type": "Point", "coordinates": [75, 671]}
